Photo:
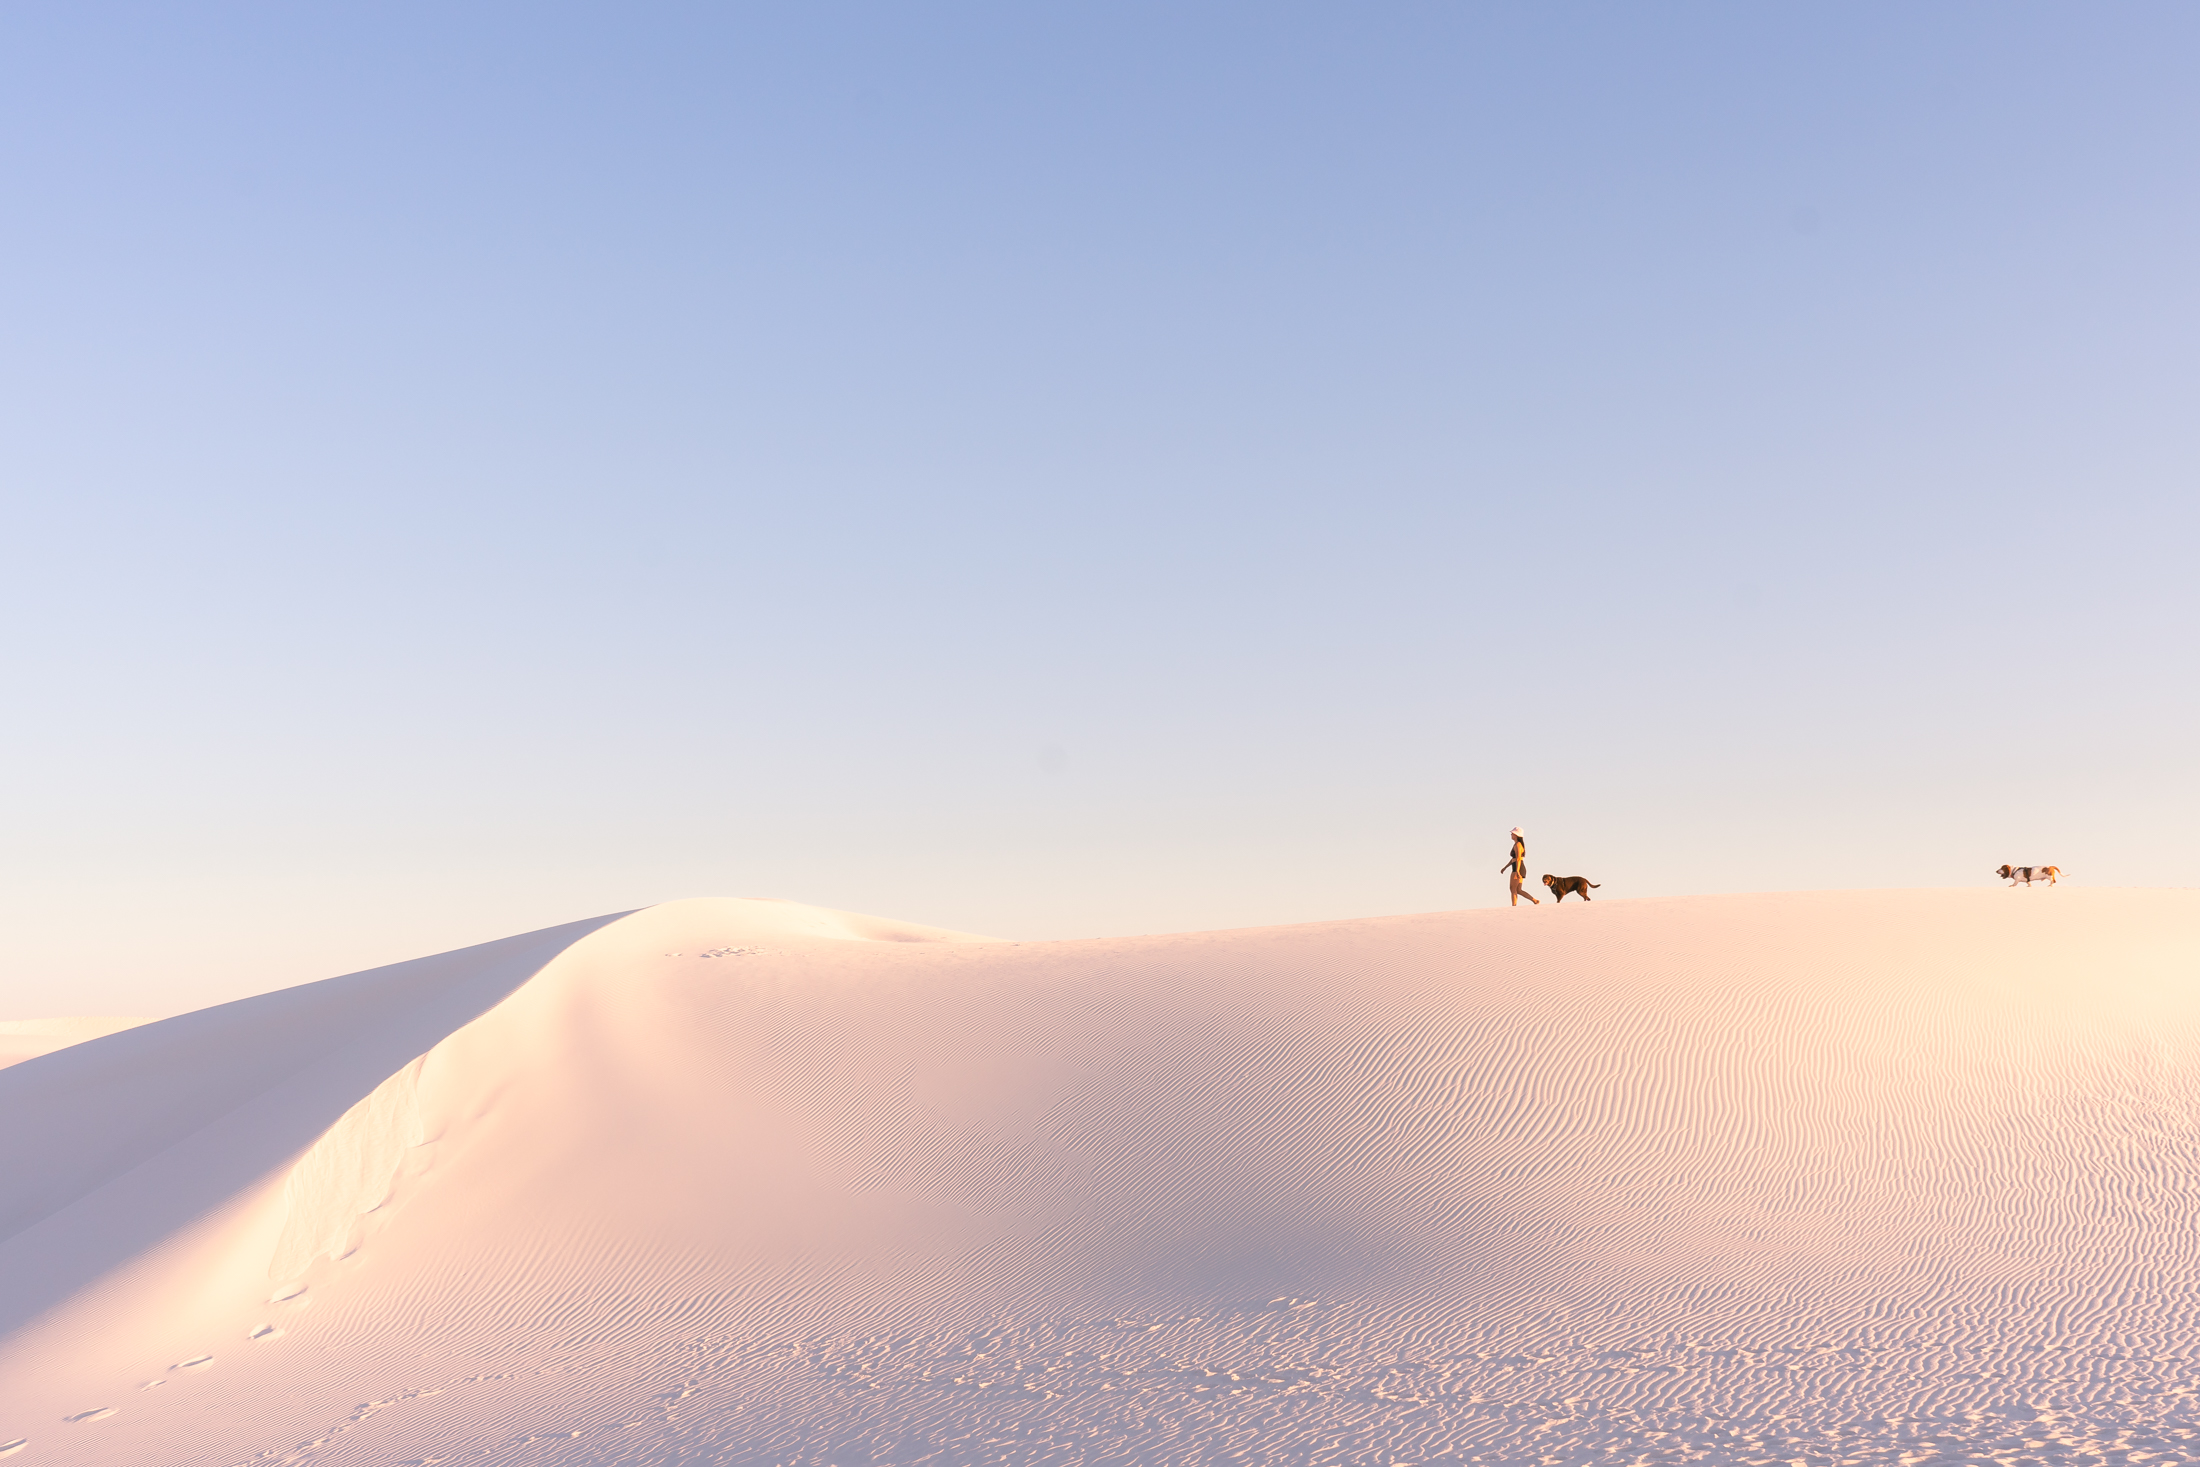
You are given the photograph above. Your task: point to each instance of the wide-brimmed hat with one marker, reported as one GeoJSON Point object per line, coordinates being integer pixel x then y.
{"type": "Point", "coordinates": [1516, 830]}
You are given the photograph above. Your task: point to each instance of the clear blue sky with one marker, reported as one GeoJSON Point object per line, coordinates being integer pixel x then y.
{"type": "Point", "coordinates": [1073, 470]}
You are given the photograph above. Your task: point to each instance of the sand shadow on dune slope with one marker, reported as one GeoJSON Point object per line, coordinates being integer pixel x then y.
{"type": "Point", "coordinates": [174, 1119]}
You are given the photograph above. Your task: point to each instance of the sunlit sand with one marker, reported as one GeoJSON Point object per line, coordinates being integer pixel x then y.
{"type": "Point", "coordinates": [1862, 1176]}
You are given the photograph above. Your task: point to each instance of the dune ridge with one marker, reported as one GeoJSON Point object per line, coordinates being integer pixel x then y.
{"type": "Point", "coordinates": [22, 1039]}
{"type": "Point", "coordinates": [1811, 1177]}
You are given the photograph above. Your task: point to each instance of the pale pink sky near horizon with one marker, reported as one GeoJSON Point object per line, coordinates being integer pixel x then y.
{"type": "Point", "coordinates": [1093, 472]}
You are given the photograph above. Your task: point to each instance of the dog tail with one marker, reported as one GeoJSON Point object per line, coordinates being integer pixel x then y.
{"type": "Point", "coordinates": [1598, 885]}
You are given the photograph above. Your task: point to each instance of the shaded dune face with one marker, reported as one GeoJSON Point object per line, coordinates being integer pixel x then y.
{"type": "Point", "coordinates": [1777, 1178]}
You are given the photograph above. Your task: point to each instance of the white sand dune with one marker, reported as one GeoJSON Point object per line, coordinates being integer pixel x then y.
{"type": "Point", "coordinates": [22, 1039]}
{"type": "Point", "coordinates": [1857, 1177]}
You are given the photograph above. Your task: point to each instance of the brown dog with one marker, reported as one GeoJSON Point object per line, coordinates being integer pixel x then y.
{"type": "Point", "coordinates": [1560, 885]}
{"type": "Point", "coordinates": [2029, 874]}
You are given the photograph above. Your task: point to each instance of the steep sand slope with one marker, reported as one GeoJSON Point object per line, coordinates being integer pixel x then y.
{"type": "Point", "coordinates": [1848, 1176]}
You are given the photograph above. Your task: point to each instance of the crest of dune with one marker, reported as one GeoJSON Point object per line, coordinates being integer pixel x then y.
{"type": "Point", "coordinates": [1834, 1177]}
{"type": "Point", "coordinates": [22, 1039]}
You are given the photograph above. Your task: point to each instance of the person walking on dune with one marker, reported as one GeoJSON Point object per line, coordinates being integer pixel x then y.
{"type": "Point", "coordinates": [1516, 866]}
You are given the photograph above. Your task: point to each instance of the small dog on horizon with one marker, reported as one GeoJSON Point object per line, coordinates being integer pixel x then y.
{"type": "Point", "coordinates": [1560, 885]}
{"type": "Point", "coordinates": [2029, 874]}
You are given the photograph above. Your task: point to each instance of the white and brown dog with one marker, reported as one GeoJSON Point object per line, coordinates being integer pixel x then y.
{"type": "Point", "coordinates": [2029, 874]}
